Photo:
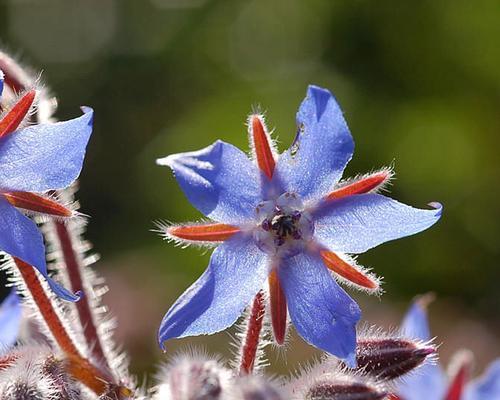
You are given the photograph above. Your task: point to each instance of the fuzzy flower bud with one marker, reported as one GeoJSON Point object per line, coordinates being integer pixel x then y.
{"type": "Point", "coordinates": [335, 389]}
{"type": "Point", "coordinates": [193, 378]}
{"type": "Point", "coordinates": [254, 388]}
{"type": "Point", "coordinates": [390, 358]}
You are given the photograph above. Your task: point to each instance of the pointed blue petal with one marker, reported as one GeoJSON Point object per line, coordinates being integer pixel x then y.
{"type": "Point", "coordinates": [321, 311]}
{"type": "Point", "coordinates": [10, 321]}
{"type": "Point", "coordinates": [237, 271]}
{"type": "Point", "coordinates": [20, 238]}
{"type": "Point", "coordinates": [2, 79]}
{"type": "Point", "coordinates": [219, 180]}
{"type": "Point", "coordinates": [45, 156]}
{"type": "Point", "coordinates": [323, 146]}
{"type": "Point", "coordinates": [428, 381]}
{"type": "Point", "coordinates": [357, 223]}
{"type": "Point", "coordinates": [415, 324]}
{"type": "Point", "coordinates": [487, 386]}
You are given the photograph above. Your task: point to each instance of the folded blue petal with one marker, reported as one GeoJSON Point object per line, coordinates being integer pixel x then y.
{"type": "Point", "coordinates": [323, 146]}
{"type": "Point", "coordinates": [487, 387]}
{"type": "Point", "coordinates": [415, 324]}
{"type": "Point", "coordinates": [429, 381]}
{"type": "Point", "coordinates": [321, 311]}
{"type": "Point", "coordinates": [19, 237]}
{"type": "Point", "coordinates": [219, 180]}
{"type": "Point", "coordinates": [357, 223]}
{"type": "Point", "coordinates": [10, 321]}
{"type": "Point", "coordinates": [45, 156]}
{"type": "Point", "coordinates": [237, 271]}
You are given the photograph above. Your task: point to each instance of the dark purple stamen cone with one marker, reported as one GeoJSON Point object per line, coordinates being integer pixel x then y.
{"type": "Point", "coordinates": [344, 391]}
{"type": "Point", "coordinates": [390, 358]}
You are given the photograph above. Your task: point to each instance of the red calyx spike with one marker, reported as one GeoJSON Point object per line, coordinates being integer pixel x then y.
{"type": "Point", "coordinates": [460, 379]}
{"type": "Point", "coordinates": [347, 271]}
{"type": "Point", "coordinates": [263, 151]}
{"type": "Point", "coordinates": [37, 203]}
{"type": "Point", "coordinates": [251, 341]}
{"type": "Point", "coordinates": [16, 114]}
{"type": "Point", "coordinates": [363, 185]}
{"type": "Point", "coordinates": [278, 308]}
{"type": "Point", "coordinates": [203, 233]}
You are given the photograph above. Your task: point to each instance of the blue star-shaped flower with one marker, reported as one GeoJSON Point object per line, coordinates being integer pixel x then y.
{"type": "Point", "coordinates": [430, 381]}
{"type": "Point", "coordinates": [36, 159]}
{"type": "Point", "coordinates": [288, 219]}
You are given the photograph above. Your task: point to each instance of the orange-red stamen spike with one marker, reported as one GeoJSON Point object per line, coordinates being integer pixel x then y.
{"type": "Point", "coordinates": [458, 382]}
{"type": "Point", "coordinates": [263, 151]}
{"type": "Point", "coordinates": [347, 271]}
{"type": "Point", "coordinates": [37, 203]}
{"type": "Point", "coordinates": [203, 233]}
{"type": "Point", "coordinates": [278, 308]}
{"type": "Point", "coordinates": [16, 114]}
{"type": "Point", "coordinates": [363, 185]}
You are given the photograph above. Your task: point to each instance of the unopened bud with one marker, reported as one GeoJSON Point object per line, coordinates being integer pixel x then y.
{"type": "Point", "coordinates": [390, 358]}
{"type": "Point", "coordinates": [339, 390]}
{"type": "Point", "coordinates": [21, 391]}
{"type": "Point", "coordinates": [254, 388]}
{"type": "Point", "coordinates": [65, 388]}
{"type": "Point", "coordinates": [193, 378]}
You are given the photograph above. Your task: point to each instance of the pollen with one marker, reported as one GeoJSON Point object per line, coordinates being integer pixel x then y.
{"type": "Point", "coordinates": [285, 227]}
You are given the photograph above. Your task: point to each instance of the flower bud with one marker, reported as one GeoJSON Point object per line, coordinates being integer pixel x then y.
{"type": "Point", "coordinates": [193, 378]}
{"type": "Point", "coordinates": [390, 358]}
{"type": "Point", "coordinates": [254, 388]}
{"type": "Point", "coordinates": [343, 390]}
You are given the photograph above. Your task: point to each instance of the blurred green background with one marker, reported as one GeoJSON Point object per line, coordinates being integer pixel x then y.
{"type": "Point", "coordinates": [419, 83]}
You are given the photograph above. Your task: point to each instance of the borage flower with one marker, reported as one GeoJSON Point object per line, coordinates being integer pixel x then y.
{"type": "Point", "coordinates": [431, 382]}
{"type": "Point", "coordinates": [289, 221]}
{"type": "Point", "coordinates": [34, 160]}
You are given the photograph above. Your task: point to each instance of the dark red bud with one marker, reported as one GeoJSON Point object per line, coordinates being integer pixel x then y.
{"type": "Point", "coordinates": [344, 391]}
{"type": "Point", "coordinates": [390, 358]}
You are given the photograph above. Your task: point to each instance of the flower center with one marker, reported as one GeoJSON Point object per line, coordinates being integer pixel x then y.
{"type": "Point", "coordinates": [285, 227]}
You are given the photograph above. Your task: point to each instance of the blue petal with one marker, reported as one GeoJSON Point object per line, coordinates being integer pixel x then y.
{"type": "Point", "coordinates": [45, 156]}
{"type": "Point", "coordinates": [429, 381]}
{"type": "Point", "coordinates": [20, 238]}
{"type": "Point", "coordinates": [323, 314]}
{"type": "Point", "coordinates": [10, 321]}
{"type": "Point", "coordinates": [219, 180]}
{"type": "Point", "coordinates": [323, 146]}
{"type": "Point", "coordinates": [357, 223]}
{"type": "Point", "coordinates": [415, 324]}
{"type": "Point", "coordinates": [487, 387]}
{"type": "Point", "coordinates": [2, 76]}
{"type": "Point", "coordinates": [237, 271]}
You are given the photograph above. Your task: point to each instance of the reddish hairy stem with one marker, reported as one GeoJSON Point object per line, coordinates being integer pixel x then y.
{"type": "Point", "coordinates": [251, 341]}
{"type": "Point", "coordinates": [278, 308]}
{"type": "Point", "coordinates": [204, 232]}
{"type": "Point", "coordinates": [81, 369]}
{"type": "Point", "coordinates": [263, 152]}
{"type": "Point", "coordinates": [363, 185]}
{"type": "Point", "coordinates": [74, 272]}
